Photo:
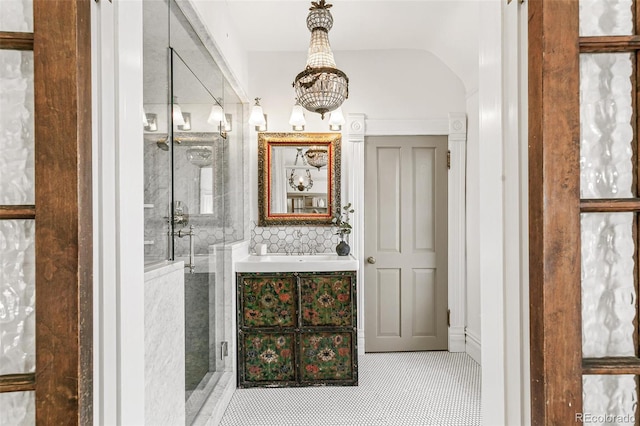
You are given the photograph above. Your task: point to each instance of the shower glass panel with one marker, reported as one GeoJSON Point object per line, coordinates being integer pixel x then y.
{"type": "Point", "coordinates": [208, 206]}
{"type": "Point", "coordinates": [199, 207]}
{"type": "Point", "coordinates": [194, 187]}
{"type": "Point", "coordinates": [157, 149]}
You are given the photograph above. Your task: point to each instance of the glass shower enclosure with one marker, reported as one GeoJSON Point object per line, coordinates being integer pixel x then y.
{"type": "Point", "coordinates": [193, 185]}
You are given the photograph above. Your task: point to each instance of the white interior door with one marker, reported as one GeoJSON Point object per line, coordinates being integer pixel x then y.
{"type": "Point", "coordinates": [405, 243]}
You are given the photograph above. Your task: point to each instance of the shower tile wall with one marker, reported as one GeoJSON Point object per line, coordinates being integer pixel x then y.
{"type": "Point", "coordinates": [298, 238]}
{"type": "Point", "coordinates": [223, 225]}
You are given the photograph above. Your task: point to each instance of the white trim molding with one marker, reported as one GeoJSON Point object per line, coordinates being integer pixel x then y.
{"type": "Point", "coordinates": [456, 211]}
{"type": "Point", "coordinates": [473, 346]}
{"type": "Point", "coordinates": [353, 192]}
{"type": "Point", "coordinates": [455, 127]}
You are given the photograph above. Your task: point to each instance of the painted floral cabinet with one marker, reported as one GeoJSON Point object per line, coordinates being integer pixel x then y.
{"type": "Point", "coordinates": [297, 329]}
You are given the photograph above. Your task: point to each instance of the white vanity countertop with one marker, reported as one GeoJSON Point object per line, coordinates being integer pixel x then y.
{"type": "Point", "coordinates": [304, 263]}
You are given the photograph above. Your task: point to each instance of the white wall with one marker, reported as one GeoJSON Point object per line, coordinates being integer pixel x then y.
{"type": "Point", "coordinates": [473, 229]}
{"type": "Point", "coordinates": [215, 15]}
{"type": "Point", "coordinates": [383, 84]}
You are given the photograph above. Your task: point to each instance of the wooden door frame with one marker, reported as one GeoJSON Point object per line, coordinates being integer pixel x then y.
{"type": "Point", "coordinates": [554, 213]}
{"type": "Point", "coordinates": [455, 128]}
{"type": "Point", "coordinates": [62, 212]}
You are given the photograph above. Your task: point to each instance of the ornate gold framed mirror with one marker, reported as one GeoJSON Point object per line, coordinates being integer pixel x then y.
{"type": "Point", "coordinates": [298, 178]}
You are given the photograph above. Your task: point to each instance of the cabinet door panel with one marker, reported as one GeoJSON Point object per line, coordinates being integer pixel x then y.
{"type": "Point", "coordinates": [268, 357]}
{"type": "Point", "coordinates": [326, 356]}
{"type": "Point", "coordinates": [326, 300]}
{"type": "Point", "coordinates": [269, 301]}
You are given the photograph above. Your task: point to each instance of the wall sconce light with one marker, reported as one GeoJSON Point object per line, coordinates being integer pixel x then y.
{"type": "Point", "coordinates": [216, 115]}
{"type": "Point", "coordinates": [336, 120]}
{"type": "Point", "coordinates": [217, 118]}
{"type": "Point", "coordinates": [258, 118]}
{"type": "Point", "coordinates": [151, 122]}
{"type": "Point", "coordinates": [178, 118]}
{"type": "Point", "coordinates": [187, 122]}
{"type": "Point", "coordinates": [262, 127]}
{"type": "Point", "coordinates": [297, 119]}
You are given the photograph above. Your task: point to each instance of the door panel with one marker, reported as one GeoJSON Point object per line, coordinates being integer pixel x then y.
{"type": "Point", "coordinates": [423, 208]}
{"type": "Point", "coordinates": [424, 303]}
{"type": "Point", "coordinates": [406, 233]}
{"type": "Point", "coordinates": [388, 296]}
{"type": "Point", "coordinates": [388, 206]}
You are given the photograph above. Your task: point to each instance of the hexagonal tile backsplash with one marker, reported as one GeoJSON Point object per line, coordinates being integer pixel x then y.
{"type": "Point", "coordinates": [294, 239]}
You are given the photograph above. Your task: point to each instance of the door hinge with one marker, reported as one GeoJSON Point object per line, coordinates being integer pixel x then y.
{"type": "Point", "coordinates": [449, 160]}
{"type": "Point", "coordinates": [519, 1]}
{"type": "Point", "coordinates": [448, 317]}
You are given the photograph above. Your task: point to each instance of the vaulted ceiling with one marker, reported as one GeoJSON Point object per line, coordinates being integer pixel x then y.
{"type": "Point", "coordinates": [446, 28]}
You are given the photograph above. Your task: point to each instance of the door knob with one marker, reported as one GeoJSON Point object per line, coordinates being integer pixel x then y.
{"type": "Point", "coordinates": [371, 260]}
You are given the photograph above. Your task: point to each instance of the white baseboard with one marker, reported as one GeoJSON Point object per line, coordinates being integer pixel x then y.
{"type": "Point", "coordinates": [456, 339]}
{"type": "Point", "coordinates": [473, 346]}
{"type": "Point", "coordinates": [360, 342]}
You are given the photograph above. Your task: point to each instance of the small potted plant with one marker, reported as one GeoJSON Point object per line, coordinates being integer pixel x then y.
{"type": "Point", "coordinates": [341, 222]}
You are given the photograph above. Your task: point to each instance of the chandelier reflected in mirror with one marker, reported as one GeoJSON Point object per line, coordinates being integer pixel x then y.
{"type": "Point", "coordinates": [321, 87]}
{"type": "Point", "coordinates": [298, 181]}
{"type": "Point", "coordinates": [317, 156]}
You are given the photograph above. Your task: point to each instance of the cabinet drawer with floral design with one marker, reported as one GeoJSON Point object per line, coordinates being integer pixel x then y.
{"type": "Point", "coordinates": [297, 329]}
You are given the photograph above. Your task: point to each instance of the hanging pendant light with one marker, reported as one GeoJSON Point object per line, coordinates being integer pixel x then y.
{"type": "Point", "coordinates": [321, 87]}
{"type": "Point", "coordinates": [317, 156]}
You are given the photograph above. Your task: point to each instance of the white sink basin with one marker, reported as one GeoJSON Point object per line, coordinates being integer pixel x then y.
{"type": "Point", "coordinates": [305, 263]}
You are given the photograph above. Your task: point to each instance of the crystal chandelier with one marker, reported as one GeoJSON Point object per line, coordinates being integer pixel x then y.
{"type": "Point", "coordinates": [321, 87]}
{"type": "Point", "coordinates": [297, 182]}
{"type": "Point", "coordinates": [317, 156]}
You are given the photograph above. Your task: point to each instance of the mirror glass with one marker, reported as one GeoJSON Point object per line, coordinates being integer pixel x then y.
{"type": "Point", "coordinates": [299, 178]}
